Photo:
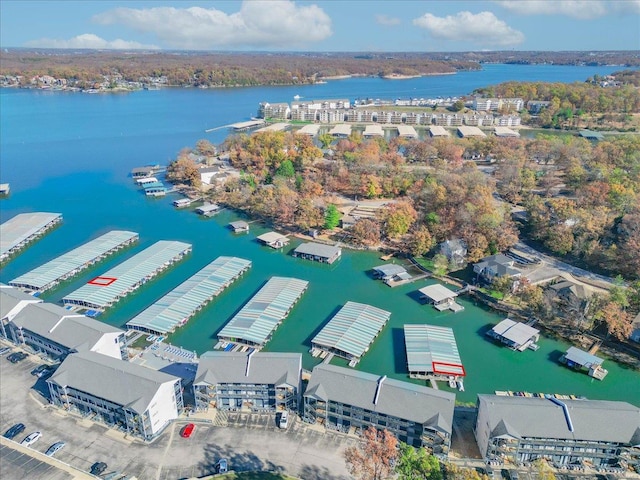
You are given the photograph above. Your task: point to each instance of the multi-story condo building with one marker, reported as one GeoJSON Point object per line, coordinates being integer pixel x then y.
{"type": "Point", "coordinates": [507, 121]}
{"type": "Point", "coordinates": [331, 116]}
{"type": "Point", "coordinates": [12, 301]}
{"type": "Point", "coordinates": [136, 399]}
{"type": "Point", "coordinates": [255, 381]}
{"type": "Point", "coordinates": [279, 111]}
{"type": "Point", "coordinates": [56, 332]}
{"type": "Point", "coordinates": [344, 399]}
{"type": "Point", "coordinates": [596, 433]}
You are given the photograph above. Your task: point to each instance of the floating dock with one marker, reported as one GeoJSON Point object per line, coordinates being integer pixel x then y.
{"type": "Point", "coordinates": [584, 361]}
{"type": "Point", "coordinates": [50, 274]}
{"type": "Point", "coordinates": [432, 353]}
{"type": "Point", "coordinates": [103, 291]}
{"type": "Point", "coordinates": [257, 320]}
{"type": "Point", "coordinates": [351, 331]}
{"type": "Point", "coordinates": [244, 126]}
{"type": "Point", "coordinates": [178, 306]}
{"type": "Point", "coordinates": [24, 228]}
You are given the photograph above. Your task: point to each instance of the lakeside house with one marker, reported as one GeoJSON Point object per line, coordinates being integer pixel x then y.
{"type": "Point", "coordinates": [573, 434]}
{"type": "Point", "coordinates": [517, 336]}
{"type": "Point", "coordinates": [273, 239]}
{"type": "Point", "coordinates": [496, 266]}
{"type": "Point", "coordinates": [318, 252]}
{"type": "Point", "coordinates": [455, 250]}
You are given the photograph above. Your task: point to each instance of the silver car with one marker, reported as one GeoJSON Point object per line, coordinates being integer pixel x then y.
{"type": "Point", "coordinates": [53, 449]}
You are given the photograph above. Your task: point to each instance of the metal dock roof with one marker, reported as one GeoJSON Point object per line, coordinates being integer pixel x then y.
{"type": "Point", "coordinates": [181, 303]}
{"type": "Point", "coordinates": [431, 350]}
{"type": "Point", "coordinates": [261, 315]}
{"type": "Point", "coordinates": [108, 288]}
{"type": "Point", "coordinates": [582, 358]}
{"type": "Point", "coordinates": [352, 329]}
{"type": "Point", "coordinates": [73, 262]}
{"type": "Point", "coordinates": [16, 232]}
{"type": "Point", "coordinates": [437, 292]}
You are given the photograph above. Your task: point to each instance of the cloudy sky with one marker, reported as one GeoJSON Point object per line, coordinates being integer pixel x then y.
{"type": "Point", "coordinates": [323, 25]}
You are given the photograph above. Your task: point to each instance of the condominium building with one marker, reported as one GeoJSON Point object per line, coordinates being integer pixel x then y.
{"type": "Point", "coordinates": [567, 432]}
{"type": "Point", "coordinates": [256, 381]}
{"type": "Point", "coordinates": [344, 399]}
{"type": "Point", "coordinates": [133, 398]}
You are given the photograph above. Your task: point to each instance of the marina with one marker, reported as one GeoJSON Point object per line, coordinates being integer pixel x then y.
{"type": "Point", "coordinates": [261, 315]}
{"type": "Point", "coordinates": [432, 353]}
{"type": "Point", "coordinates": [50, 274]}
{"type": "Point", "coordinates": [350, 332]}
{"type": "Point", "coordinates": [24, 228]}
{"type": "Point", "coordinates": [178, 306]}
{"type": "Point", "coordinates": [105, 290]}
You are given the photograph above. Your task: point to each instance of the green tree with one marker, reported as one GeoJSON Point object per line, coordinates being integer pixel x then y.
{"type": "Point", "coordinates": [417, 464]}
{"type": "Point", "coordinates": [331, 217]}
{"type": "Point", "coordinates": [325, 140]}
{"type": "Point", "coordinates": [286, 169]}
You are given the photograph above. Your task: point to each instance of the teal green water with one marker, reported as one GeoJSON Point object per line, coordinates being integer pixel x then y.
{"type": "Point", "coordinates": [79, 166]}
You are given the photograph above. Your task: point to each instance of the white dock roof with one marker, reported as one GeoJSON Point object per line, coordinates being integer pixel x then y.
{"type": "Point", "coordinates": [261, 315]}
{"type": "Point", "coordinates": [373, 131]}
{"type": "Point", "coordinates": [432, 349]}
{"type": "Point", "coordinates": [23, 227]}
{"type": "Point", "coordinates": [467, 131]}
{"type": "Point", "coordinates": [505, 132]}
{"type": "Point", "coordinates": [108, 288]}
{"type": "Point", "coordinates": [438, 131]}
{"type": "Point", "coordinates": [407, 131]}
{"type": "Point", "coordinates": [437, 292]}
{"type": "Point", "coordinates": [342, 129]}
{"type": "Point", "coordinates": [353, 328]}
{"type": "Point", "coordinates": [518, 333]}
{"type": "Point", "coordinates": [187, 298]}
{"type": "Point", "coordinates": [246, 125]}
{"type": "Point", "coordinates": [73, 262]}
{"type": "Point", "coordinates": [311, 130]}
{"type": "Point", "coordinates": [274, 127]}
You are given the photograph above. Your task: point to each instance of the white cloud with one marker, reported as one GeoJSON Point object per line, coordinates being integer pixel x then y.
{"type": "Point", "coordinates": [626, 6]}
{"type": "Point", "coordinates": [89, 40]}
{"type": "Point", "coordinates": [387, 21]}
{"type": "Point", "coordinates": [580, 9]}
{"type": "Point", "coordinates": [483, 28]}
{"type": "Point", "coordinates": [261, 24]}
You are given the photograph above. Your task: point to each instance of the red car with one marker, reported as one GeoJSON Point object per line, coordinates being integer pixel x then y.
{"type": "Point", "coordinates": [187, 430]}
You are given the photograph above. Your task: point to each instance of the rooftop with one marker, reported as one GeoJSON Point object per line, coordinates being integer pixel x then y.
{"type": "Point", "coordinates": [467, 131]}
{"type": "Point", "coordinates": [262, 314]}
{"type": "Point", "coordinates": [352, 329]}
{"type": "Point", "coordinates": [432, 349]}
{"type": "Point", "coordinates": [11, 298]}
{"type": "Point", "coordinates": [423, 405]}
{"type": "Point", "coordinates": [530, 417]}
{"type": "Point", "coordinates": [582, 358]}
{"type": "Point", "coordinates": [317, 249]}
{"type": "Point", "coordinates": [23, 226]}
{"type": "Point", "coordinates": [187, 298]}
{"type": "Point", "coordinates": [117, 381]}
{"type": "Point", "coordinates": [437, 292]}
{"type": "Point", "coordinates": [518, 333]}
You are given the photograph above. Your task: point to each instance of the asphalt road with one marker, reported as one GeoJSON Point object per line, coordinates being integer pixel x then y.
{"type": "Point", "coordinates": [249, 442]}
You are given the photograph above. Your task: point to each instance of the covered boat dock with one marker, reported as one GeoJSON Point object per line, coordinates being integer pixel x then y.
{"type": "Point", "coordinates": [350, 332]}
{"type": "Point", "coordinates": [584, 361]}
{"type": "Point", "coordinates": [254, 324]}
{"type": "Point", "coordinates": [50, 274]}
{"type": "Point", "coordinates": [311, 130]}
{"type": "Point", "coordinates": [432, 352]}
{"type": "Point", "coordinates": [517, 336]}
{"type": "Point", "coordinates": [342, 130]}
{"type": "Point", "coordinates": [107, 289]}
{"type": "Point", "coordinates": [273, 239]}
{"type": "Point", "coordinates": [441, 297]}
{"type": "Point", "coordinates": [17, 232]}
{"type": "Point", "coordinates": [180, 304]}
{"type": "Point", "coordinates": [318, 252]}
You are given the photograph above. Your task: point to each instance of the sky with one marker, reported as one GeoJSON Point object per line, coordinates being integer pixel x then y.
{"type": "Point", "coordinates": [323, 25]}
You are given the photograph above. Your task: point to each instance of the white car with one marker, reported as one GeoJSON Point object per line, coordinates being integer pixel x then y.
{"type": "Point", "coordinates": [31, 439]}
{"type": "Point", "coordinates": [284, 420]}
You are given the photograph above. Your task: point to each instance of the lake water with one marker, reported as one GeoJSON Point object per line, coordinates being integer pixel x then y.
{"type": "Point", "coordinates": [72, 153]}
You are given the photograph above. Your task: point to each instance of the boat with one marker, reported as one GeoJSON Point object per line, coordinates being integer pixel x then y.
{"type": "Point", "coordinates": [460, 385]}
{"type": "Point", "coordinates": [297, 97]}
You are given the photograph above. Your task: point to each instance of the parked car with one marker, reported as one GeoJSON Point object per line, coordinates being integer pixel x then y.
{"type": "Point", "coordinates": [40, 371]}
{"type": "Point", "coordinates": [187, 430]}
{"type": "Point", "coordinates": [14, 431]}
{"type": "Point", "coordinates": [284, 420]}
{"type": "Point", "coordinates": [222, 466]}
{"type": "Point", "coordinates": [513, 474]}
{"type": "Point", "coordinates": [53, 449]}
{"type": "Point", "coordinates": [30, 439]}
{"type": "Point", "coordinates": [4, 350]}
{"type": "Point", "coordinates": [17, 357]}
{"type": "Point", "coordinates": [98, 468]}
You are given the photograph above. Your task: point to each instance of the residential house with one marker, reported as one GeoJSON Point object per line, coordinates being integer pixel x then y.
{"type": "Point", "coordinates": [496, 266]}
{"type": "Point", "coordinates": [455, 250]}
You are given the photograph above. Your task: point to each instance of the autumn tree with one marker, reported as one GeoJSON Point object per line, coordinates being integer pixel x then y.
{"type": "Point", "coordinates": [366, 231]}
{"type": "Point", "coordinates": [616, 320]}
{"type": "Point", "coordinates": [205, 147]}
{"type": "Point", "coordinates": [373, 458]}
{"type": "Point", "coordinates": [417, 464]}
{"type": "Point", "coordinates": [420, 242]}
{"type": "Point", "coordinates": [398, 218]}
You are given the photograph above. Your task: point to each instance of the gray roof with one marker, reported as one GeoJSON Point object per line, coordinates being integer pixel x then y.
{"type": "Point", "coordinates": [352, 329]}
{"type": "Point", "coordinates": [423, 405]}
{"type": "Point", "coordinates": [11, 297]}
{"type": "Point", "coordinates": [390, 269]}
{"type": "Point", "coordinates": [582, 358]}
{"type": "Point", "coordinates": [517, 332]}
{"type": "Point", "coordinates": [123, 383]}
{"type": "Point", "coordinates": [595, 420]}
{"type": "Point", "coordinates": [432, 349]}
{"type": "Point", "coordinates": [437, 292]}
{"type": "Point", "coordinates": [318, 249]}
{"type": "Point", "coordinates": [256, 368]}
{"type": "Point", "coordinates": [578, 290]}
{"type": "Point", "coordinates": [23, 227]}
{"type": "Point", "coordinates": [271, 237]}
{"type": "Point", "coordinates": [71, 330]}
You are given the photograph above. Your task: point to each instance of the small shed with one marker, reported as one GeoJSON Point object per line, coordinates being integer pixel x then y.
{"type": "Point", "coordinates": [273, 239]}
{"type": "Point", "coordinates": [318, 252]}
{"type": "Point", "coordinates": [239, 226]}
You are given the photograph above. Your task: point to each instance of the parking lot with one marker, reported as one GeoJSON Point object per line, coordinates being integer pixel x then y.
{"type": "Point", "coordinates": [247, 441]}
